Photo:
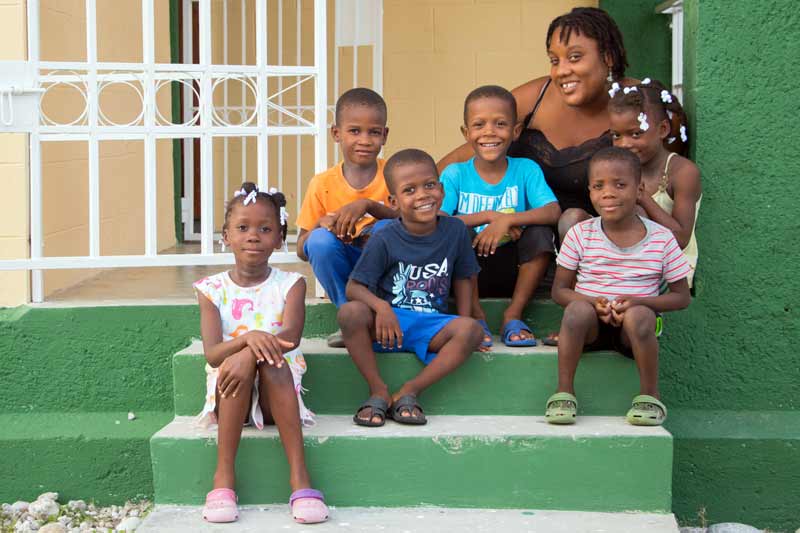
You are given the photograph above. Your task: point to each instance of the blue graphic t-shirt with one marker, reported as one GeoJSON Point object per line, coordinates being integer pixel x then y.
{"type": "Point", "coordinates": [415, 272]}
{"type": "Point", "coordinates": [521, 189]}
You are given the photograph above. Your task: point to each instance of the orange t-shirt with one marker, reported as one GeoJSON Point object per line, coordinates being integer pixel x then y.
{"type": "Point", "coordinates": [328, 191]}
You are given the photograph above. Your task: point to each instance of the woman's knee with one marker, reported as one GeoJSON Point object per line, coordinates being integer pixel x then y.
{"type": "Point", "coordinates": [569, 218]}
{"type": "Point", "coordinates": [354, 315]}
{"type": "Point", "coordinates": [535, 241]}
{"type": "Point", "coordinates": [639, 322]}
{"type": "Point", "coordinates": [578, 314]}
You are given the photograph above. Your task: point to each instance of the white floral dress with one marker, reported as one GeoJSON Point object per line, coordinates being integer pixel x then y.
{"type": "Point", "coordinates": [243, 309]}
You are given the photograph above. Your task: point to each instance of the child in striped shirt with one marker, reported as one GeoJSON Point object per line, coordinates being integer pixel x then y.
{"type": "Point", "coordinates": [609, 271]}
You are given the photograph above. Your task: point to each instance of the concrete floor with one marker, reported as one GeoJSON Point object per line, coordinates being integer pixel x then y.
{"type": "Point", "coordinates": [175, 519]}
{"type": "Point", "coordinates": [153, 284]}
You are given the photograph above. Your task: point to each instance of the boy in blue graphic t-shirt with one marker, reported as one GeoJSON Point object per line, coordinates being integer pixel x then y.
{"type": "Point", "coordinates": [509, 206]}
{"type": "Point", "coordinates": [398, 292]}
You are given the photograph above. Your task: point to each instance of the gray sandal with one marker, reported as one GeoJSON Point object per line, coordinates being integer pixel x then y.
{"type": "Point", "coordinates": [379, 408]}
{"type": "Point", "coordinates": [407, 404]}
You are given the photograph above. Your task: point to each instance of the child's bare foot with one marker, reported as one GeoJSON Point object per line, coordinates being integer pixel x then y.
{"type": "Point", "coordinates": [410, 411]}
{"type": "Point", "coordinates": [520, 335]}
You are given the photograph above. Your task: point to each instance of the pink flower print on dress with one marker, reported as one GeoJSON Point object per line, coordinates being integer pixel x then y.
{"type": "Point", "coordinates": [300, 360]}
{"type": "Point", "coordinates": [238, 306]}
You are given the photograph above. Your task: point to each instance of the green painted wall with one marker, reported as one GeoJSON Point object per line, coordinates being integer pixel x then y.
{"type": "Point", "coordinates": [647, 37]}
{"type": "Point", "coordinates": [734, 350]}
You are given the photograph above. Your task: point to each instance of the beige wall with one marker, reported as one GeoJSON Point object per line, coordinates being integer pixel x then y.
{"type": "Point", "coordinates": [436, 51]}
{"type": "Point", "coordinates": [14, 286]}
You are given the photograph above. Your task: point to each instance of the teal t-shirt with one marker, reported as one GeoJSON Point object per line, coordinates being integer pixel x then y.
{"type": "Point", "coordinates": [521, 189]}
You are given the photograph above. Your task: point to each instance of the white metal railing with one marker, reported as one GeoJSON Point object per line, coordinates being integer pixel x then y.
{"type": "Point", "coordinates": [269, 116]}
{"type": "Point", "coordinates": [674, 8]}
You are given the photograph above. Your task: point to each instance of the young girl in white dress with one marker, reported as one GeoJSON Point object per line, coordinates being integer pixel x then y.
{"type": "Point", "coordinates": [251, 320]}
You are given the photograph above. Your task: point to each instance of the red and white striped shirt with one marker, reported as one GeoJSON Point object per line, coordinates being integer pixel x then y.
{"type": "Point", "coordinates": [605, 269]}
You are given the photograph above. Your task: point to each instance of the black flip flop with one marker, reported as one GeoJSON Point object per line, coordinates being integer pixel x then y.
{"type": "Point", "coordinates": [408, 403]}
{"type": "Point", "coordinates": [379, 408]}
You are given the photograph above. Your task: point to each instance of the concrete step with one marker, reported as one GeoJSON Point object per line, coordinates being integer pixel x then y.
{"type": "Point", "coordinates": [511, 381]}
{"type": "Point", "coordinates": [100, 456]}
{"type": "Point", "coordinates": [186, 519]}
{"type": "Point", "coordinates": [600, 464]}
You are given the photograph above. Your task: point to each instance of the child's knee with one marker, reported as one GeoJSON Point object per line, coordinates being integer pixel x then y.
{"type": "Point", "coordinates": [639, 322]}
{"type": "Point", "coordinates": [469, 329]}
{"type": "Point", "coordinates": [354, 315]}
{"type": "Point", "coordinates": [578, 314]}
{"type": "Point", "coordinates": [320, 241]}
{"type": "Point", "coordinates": [273, 375]}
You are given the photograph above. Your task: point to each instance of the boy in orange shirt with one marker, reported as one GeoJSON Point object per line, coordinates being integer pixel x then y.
{"type": "Point", "coordinates": [343, 204]}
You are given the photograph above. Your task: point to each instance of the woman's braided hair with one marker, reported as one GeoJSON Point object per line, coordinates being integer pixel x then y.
{"type": "Point", "coordinates": [274, 198]}
{"type": "Point", "coordinates": [597, 25]}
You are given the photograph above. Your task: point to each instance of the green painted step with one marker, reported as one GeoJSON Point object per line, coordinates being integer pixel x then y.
{"type": "Point", "coordinates": [599, 464]}
{"type": "Point", "coordinates": [252, 519]}
{"type": "Point", "coordinates": [544, 316]}
{"type": "Point", "coordinates": [99, 456]}
{"type": "Point", "coordinates": [513, 381]}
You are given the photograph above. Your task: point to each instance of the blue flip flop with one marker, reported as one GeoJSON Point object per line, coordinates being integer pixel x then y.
{"type": "Point", "coordinates": [515, 327]}
{"type": "Point", "coordinates": [487, 332]}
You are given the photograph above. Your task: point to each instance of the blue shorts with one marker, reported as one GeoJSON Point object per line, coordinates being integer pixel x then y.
{"type": "Point", "coordinates": [418, 330]}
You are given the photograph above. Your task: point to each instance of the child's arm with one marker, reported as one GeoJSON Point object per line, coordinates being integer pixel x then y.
{"type": "Point", "coordinates": [348, 215]}
{"type": "Point", "coordinates": [563, 294]}
{"type": "Point", "coordinates": [264, 346]}
{"type": "Point", "coordinates": [686, 190]}
{"type": "Point", "coordinates": [486, 241]}
{"type": "Point", "coordinates": [462, 291]}
{"type": "Point", "coordinates": [387, 328]}
{"type": "Point", "coordinates": [676, 298]}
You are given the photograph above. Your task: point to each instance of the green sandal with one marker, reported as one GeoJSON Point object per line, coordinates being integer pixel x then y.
{"type": "Point", "coordinates": [647, 411]}
{"type": "Point", "coordinates": [562, 408]}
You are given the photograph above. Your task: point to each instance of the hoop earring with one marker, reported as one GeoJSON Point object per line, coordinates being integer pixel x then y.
{"type": "Point", "coordinates": [610, 77]}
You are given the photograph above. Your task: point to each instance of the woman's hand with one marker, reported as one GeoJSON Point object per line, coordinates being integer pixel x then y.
{"type": "Point", "coordinates": [233, 371]}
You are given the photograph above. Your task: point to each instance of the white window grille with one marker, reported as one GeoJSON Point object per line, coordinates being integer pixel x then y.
{"type": "Point", "coordinates": [261, 113]}
{"type": "Point", "coordinates": [674, 8]}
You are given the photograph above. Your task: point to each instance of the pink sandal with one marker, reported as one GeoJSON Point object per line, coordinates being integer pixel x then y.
{"type": "Point", "coordinates": [308, 506]}
{"type": "Point", "coordinates": [221, 506]}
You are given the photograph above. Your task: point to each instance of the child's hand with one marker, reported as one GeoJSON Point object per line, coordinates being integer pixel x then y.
{"type": "Point", "coordinates": [328, 222]}
{"type": "Point", "coordinates": [349, 215]}
{"type": "Point", "coordinates": [387, 328]}
{"type": "Point", "coordinates": [603, 309]}
{"type": "Point", "coordinates": [267, 348]}
{"type": "Point", "coordinates": [515, 232]}
{"type": "Point", "coordinates": [485, 243]}
{"type": "Point", "coordinates": [618, 308]}
{"type": "Point", "coordinates": [232, 373]}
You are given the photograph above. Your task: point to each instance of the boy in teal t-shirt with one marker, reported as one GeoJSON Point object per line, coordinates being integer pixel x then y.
{"type": "Point", "coordinates": [509, 206]}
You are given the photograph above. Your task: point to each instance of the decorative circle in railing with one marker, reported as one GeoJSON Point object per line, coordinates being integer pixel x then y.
{"type": "Point", "coordinates": [61, 96]}
{"type": "Point", "coordinates": [194, 120]}
{"type": "Point", "coordinates": [247, 111]}
{"type": "Point", "coordinates": [120, 95]}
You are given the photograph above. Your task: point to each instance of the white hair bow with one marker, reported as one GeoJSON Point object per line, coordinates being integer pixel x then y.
{"type": "Point", "coordinates": [249, 196]}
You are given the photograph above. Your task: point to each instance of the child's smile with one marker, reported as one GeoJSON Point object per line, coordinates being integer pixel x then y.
{"type": "Point", "coordinates": [361, 134]}
{"type": "Point", "coordinates": [613, 190]}
{"type": "Point", "coordinates": [627, 133]}
{"type": "Point", "coordinates": [490, 128]}
{"type": "Point", "coordinates": [418, 195]}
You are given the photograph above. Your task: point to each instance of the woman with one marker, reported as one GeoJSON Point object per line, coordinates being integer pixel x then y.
{"type": "Point", "coordinates": [565, 114]}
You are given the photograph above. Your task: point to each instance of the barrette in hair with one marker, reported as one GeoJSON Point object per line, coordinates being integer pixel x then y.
{"type": "Point", "coordinates": [614, 89]}
{"type": "Point", "coordinates": [249, 196]}
{"type": "Point", "coordinates": [627, 90]}
{"type": "Point", "coordinates": [684, 137]}
{"type": "Point", "coordinates": [669, 114]}
{"type": "Point", "coordinates": [273, 190]}
{"type": "Point", "coordinates": [284, 216]}
{"type": "Point", "coordinates": [666, 97]}
{"type": "Point", "coordinates": [643, 125]}
{"type": "Point", "coordinates": [646, 81]}
{"type": "Point", "coordinates": [670, 140]}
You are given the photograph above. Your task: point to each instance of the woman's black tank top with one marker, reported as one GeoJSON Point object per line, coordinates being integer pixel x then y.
{"type": "Point", "coordinates": [565, 170]}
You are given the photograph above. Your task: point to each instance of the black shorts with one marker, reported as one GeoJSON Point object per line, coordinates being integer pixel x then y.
{"type": "Point", "coordinates": [610, 338]}
{"type": "Point", "coordinates": [498, 274]}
